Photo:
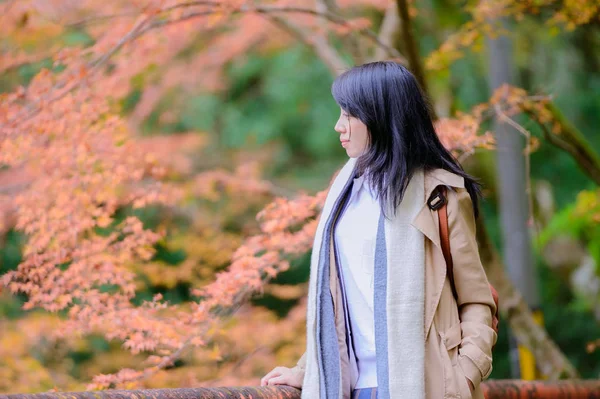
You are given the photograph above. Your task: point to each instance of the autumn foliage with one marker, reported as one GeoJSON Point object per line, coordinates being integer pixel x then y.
{"type": "Point", "coordinates": [77, 170]}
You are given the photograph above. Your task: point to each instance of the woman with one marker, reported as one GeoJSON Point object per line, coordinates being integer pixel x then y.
{"type": "Point", "coordinates": [390, 326]}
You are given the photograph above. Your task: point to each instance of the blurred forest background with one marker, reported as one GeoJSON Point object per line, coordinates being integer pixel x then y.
{"type": "Point", "coordinates": [159, 153]}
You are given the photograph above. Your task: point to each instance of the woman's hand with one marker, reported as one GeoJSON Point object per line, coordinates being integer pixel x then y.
{"type": "Point", "coordinates": [284, 376]}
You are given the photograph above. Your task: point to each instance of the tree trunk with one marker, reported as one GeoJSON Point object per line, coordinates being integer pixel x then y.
{"type": "Point", "coordinates": [550, 360]}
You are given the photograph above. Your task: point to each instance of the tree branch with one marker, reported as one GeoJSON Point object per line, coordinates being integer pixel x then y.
{"type": "Point", "coordinates": [144, 25]}
{"type": "Point", "coordinates": [389, 32]}
{"type": "Point", "coordinates": [328, 15]}
{"type": "Point", "coordinates": [571, 140]}
{"type": "Point", "coordinates": [321, 43]}
{"type": "Point", "coordinates": [351, 40]}
{"type": "Point", "coordinates": [551, 361]}
{"type": "Point", "coordinates": [327, 54]}
{"type": "Point", "coordinates": [34, 107]}
{"type": "Point", "coordinates": [412, 50]}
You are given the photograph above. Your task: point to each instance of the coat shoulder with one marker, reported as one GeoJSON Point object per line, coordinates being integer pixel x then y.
{"type": "Point", "coordinates": [436, 177]}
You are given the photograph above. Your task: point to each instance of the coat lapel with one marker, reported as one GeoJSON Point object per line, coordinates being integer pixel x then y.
{"type": "Point", "coordinates": [425, 221]}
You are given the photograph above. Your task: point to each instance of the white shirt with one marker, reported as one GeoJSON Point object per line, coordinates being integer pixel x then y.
{"type": "Point", "coordinates": [355, 237]}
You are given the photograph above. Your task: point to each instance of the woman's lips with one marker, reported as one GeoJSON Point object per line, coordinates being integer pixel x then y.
{"type": "Point", "coordinates": [344, 143]}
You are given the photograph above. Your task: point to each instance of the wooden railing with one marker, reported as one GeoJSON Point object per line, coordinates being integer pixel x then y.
{"type": "Point", "coordinates": [493, 389]}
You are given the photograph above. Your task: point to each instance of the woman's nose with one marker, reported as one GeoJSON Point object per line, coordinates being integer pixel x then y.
{"type": "Point", "coordinates": [339, 127]}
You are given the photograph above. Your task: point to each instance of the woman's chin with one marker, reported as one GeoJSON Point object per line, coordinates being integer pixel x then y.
{"type": "Point", "coordinates": [351, 154]}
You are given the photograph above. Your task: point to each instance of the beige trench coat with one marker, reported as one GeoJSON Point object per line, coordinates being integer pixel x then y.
{"type": "Point", "coordinates": [458, 337]}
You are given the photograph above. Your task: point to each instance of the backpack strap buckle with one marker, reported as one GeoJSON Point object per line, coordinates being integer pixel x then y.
{"type": "Point", "coordinates": [437, 199]}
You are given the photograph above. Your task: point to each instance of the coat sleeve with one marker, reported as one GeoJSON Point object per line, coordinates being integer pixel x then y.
{"type": "Point", "coordinates": [475, 302]}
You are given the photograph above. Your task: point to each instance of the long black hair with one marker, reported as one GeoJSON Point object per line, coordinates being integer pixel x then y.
{"type": "Point", "coordinates": [387, 98]}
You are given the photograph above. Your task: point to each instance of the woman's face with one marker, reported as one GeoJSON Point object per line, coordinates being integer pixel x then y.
{"type": "Point", "coordinates": [354, 135]}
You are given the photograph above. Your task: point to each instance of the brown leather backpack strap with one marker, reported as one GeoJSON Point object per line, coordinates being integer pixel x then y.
{"type": "Point", "coordinates": [438, 202]}
{"type": "Point", "coordinates": [442, 211]}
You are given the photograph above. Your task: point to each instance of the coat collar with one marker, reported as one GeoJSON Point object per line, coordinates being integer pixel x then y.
{"type": "Point", "coordinates": [426, 220]}
{"type": "Point", "coordinates": [436, 177]}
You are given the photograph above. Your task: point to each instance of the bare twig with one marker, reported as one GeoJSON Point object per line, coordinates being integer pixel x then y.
{"type": "Point", "coordinates": [327, 14]}
{"type": "Point", "coordinates": [107, 17]}
{"type": "Point", "coordinates": [133, 33]}
{"type": "Point", "coordinates": [330, 16]}
{"type": "Point", "coordinates": [327, 54]}
{"type": "Point", "coordinates": [98, 19]}
{"type": "Point", "coordinates": [351, 40]}
{"type": "Point", "coordinates": [505, 118]}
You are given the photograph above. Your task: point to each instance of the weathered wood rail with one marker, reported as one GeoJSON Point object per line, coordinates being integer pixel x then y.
{"type": "Point", "coordinates": [493, 389]}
